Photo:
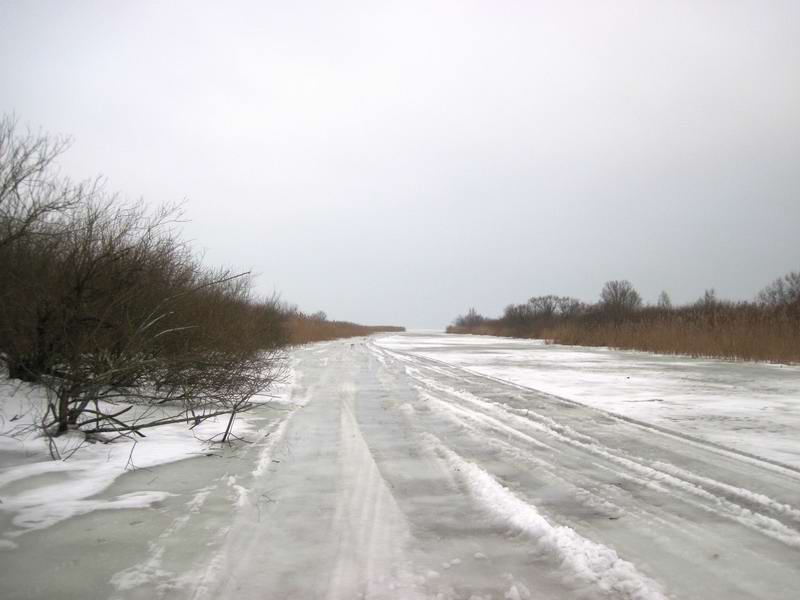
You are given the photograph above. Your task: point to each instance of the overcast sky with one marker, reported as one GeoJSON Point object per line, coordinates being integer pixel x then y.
{"type": "Point", "coordinates": [401, 162]}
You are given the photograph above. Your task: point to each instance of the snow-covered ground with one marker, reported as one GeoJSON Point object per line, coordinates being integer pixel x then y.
{"type": "Point", "coordinates": [752, 407]}
{"type": "Point", "coordinates": [386, 474]}
{"type": "Point", "coordinates": [37, 491]}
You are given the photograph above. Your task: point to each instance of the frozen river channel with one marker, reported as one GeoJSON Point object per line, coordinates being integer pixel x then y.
{"type": "Point", "coordinates": [432, 466]}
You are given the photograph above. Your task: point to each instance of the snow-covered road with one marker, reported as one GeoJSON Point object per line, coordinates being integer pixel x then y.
{"type": "Point", "coordinates": [388, 474]}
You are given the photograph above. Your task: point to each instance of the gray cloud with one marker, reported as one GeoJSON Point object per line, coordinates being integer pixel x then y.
{"type": "Point", "coordinates": [397, 163]}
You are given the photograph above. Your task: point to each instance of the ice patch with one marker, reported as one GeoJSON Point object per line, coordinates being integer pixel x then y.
{"type": "Point", "coordinates": [151, 568]}
{"type": "Point", "coordinates": [45, 514]}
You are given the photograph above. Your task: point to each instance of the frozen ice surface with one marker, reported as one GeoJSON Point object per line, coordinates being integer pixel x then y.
{"type": "Point", "coordinates": [388, 471]}
{"type": "Point", "coordinates": [752, 407]}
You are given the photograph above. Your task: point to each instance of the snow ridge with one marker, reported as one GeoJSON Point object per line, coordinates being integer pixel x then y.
{"type": "Point", "coordinates": [588, 562]}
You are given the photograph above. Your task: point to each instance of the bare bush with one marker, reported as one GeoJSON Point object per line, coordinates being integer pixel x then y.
{"type": "Point", "coordinates": [30, 190]}
{"type": "Point", "coordinates": [105, 305]}
{"type": "Point", "coordinates": [471, 319]}
{"type": "Point", "coordinates": [708, 301]}
{"type": "Point", "coordinates": [521, 320]}
{"type": "Point", "coordinates": [783, 291]}
{"type": "Point", "coordinates": [619, 297]}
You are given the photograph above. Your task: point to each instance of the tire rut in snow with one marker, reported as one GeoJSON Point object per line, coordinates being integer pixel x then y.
{"type": "Point", "coordinates": [372, 530]}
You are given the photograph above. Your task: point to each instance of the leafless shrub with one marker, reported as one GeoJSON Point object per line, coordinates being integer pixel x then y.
{"type": "Point", "coordinates": [105, 305]}
{"type": "Point", "coordinates": [470, 320]}
{"type": "Point", "coordinates": [664, 301]}
{"type": "Point", "coordinates": [784, 291]}
{"type": "Point", "coordinates": [30, 190]}
{"type": "Point", "coordinates": [619, 297]}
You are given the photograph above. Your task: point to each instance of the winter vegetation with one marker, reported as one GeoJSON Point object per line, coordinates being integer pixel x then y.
{"type": "Point", "coordinates": [105, 306]}
{"type": "Point", "coordinates": [302, 328]}
{"type": "Point", "coordinates": [766, 329]}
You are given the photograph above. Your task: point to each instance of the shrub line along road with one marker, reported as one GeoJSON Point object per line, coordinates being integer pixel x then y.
{"type": "Point", "coordinates": [389, 475]}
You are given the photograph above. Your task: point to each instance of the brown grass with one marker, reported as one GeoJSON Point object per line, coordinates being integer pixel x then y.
{"type": "Point", "coordinates": [731, 331]}
{"type": "Point", "coordinates": [302, 330]}
{"type": "Point", "coordinates": [743, 341]}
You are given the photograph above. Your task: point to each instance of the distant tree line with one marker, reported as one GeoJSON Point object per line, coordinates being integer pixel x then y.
{"type": "Point", "coordinates": [104, 304]}
{"type": "Point", "coordinates": [301, 328]}
{"type": "Point", "coordinates": [767, 328]}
